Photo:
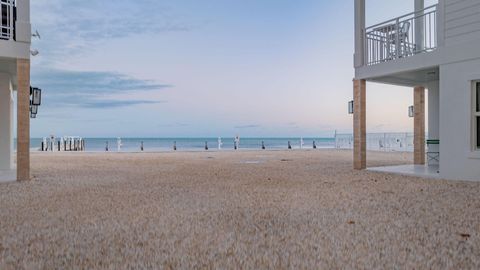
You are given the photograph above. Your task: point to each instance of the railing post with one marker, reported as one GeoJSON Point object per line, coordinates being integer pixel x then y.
{"type": "Point", "coordinates": [384, 142]}
{"type": "Point", "coordinates": [397, 39]}
{"type": "Point", "coordinates": [10, 20]}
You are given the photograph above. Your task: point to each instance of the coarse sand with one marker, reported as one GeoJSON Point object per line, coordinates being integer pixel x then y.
{"type": "Point", "coordinates": [235, 210]}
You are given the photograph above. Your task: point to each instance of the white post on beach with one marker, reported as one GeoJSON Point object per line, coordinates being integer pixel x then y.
{"type": "Point", "coordinates": [119, 144]}
{"type": "Point", "coordinates": [335, 136]}
{"type": "Point", "coordinates": [220, 143]}
{"type": "Point", "coordinates": [52, 143]}
{"type": "Point", "coordinates": [301, 143]}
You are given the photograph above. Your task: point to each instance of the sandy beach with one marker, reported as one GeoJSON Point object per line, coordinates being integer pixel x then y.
{"type": "Point", "coordinates": [231, 210]}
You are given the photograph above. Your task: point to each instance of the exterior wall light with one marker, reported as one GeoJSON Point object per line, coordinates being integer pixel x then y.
{"type": "Point", "coordinates": [36, 96]}
{"type": "Point", "coordinates": [350, 107]}
{"type": "Point", "coordinates": [35, 101]}
{"type": "Point", "coordinates": [34, 109]}
{"type": "Point", "coordinates": [411, 111]}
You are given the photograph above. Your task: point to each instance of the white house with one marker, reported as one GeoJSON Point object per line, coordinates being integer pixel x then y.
{"type": "Point", "coordinates": [15, 37]}
{"type": "Point", "coordinates": [434, 49]}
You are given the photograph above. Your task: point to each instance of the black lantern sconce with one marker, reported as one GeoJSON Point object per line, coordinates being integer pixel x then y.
{"type": "Point", "coordinates": [35, 101]}
{"type": "Point", "coordinates": [36, 94]}
{"type": "Point", "coordinates": [350, 107]}
{"type": "Point", "coordinates": [411, 111]}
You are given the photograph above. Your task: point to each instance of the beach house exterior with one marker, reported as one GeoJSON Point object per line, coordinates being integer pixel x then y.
{"type": "Point", "coordinates": [15, 39]}
{"type": "Point", "coordinates": [433, 50]}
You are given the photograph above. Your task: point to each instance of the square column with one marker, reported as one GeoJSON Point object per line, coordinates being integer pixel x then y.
{"type": "Point", "coordinates": [419, 38]}
{"type": "Point", "coordinates": [6, 123]}
{"type": "Point", "coordinates": [419, 126]}
{"type": "Point", "coordinates": [359, 57]}
{"type": "Point", "coordinates": [359, 124]}
{"type": "Point", "coordinates": [23, 120]}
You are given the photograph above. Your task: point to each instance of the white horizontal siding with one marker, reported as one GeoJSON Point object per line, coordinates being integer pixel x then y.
{"type": "Point", "coordinates": [462, 21]}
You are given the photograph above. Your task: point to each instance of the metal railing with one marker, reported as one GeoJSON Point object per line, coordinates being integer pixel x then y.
{"type": "Point", "coordinates": [388, 142]}
{"type": "Point", "coordinates": [402, 37]}
{"type": "Point", "coordinates": [7, 22]}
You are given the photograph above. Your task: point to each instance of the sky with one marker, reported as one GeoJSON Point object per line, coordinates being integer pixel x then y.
{"type": "Point", "coordinates": [189, 68]}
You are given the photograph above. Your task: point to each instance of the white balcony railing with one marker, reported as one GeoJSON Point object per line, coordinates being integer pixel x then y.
{"type": "Point", "coordinates": [402, 37]}
{"type": "Point", "coordinates": [7, 14]}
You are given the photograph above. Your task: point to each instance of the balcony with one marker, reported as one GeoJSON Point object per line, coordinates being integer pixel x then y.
{"type": "Point", "coordinates": [402, 37]}
{"type": "Point", "coordinates": [8, 14]}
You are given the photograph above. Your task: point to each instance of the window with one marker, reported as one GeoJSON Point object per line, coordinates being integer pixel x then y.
{"type": "Point", "coordinates": [476, 115]}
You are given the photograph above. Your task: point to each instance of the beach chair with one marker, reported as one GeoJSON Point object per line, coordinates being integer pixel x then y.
{"type": "Point", "coordinates": [405, 48]}
{"type": "Point", "coordinates": [433, 152]}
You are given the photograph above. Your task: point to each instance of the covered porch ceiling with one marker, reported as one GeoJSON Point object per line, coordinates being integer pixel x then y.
{"type": "Point", "coordinates": [410, 78]}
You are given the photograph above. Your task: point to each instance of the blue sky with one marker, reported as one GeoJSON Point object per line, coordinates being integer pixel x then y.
{"type": "Point", "coordinates": [163, 68]}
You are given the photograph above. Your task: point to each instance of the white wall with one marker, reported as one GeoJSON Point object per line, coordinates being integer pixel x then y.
{"type": "Point", "coordinates": [458, 160]}
{"type": "Point", "coordinates": [6, 123]}
{"type": "Point", "coordinates": [462, 21]}
{"type": "Point", "coordinates": [434, 110]}
{"type": "Point", "coordinates": [21, 47]}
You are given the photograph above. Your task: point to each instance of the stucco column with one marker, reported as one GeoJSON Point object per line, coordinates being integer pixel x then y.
{"type": "Point", "coordinates": [359, 125]}
{"type": "Point", "coordinates": [419, 126]}
{"type": "Point", "coordinates": [23, 120]}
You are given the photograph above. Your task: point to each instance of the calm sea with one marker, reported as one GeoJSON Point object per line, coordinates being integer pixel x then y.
{"type": "Point", "coordinates": [195, 144]}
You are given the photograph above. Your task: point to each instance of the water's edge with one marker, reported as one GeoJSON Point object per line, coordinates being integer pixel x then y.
{"type": "Point", "coordinates": [193, 144]}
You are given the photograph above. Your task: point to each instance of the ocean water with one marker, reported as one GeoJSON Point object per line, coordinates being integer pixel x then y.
{"type": "Point", "coordinates": [194, 144]}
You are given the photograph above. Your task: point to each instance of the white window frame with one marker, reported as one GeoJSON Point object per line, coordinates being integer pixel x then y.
{"type": "Point", "coordinates": [475, 115]}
